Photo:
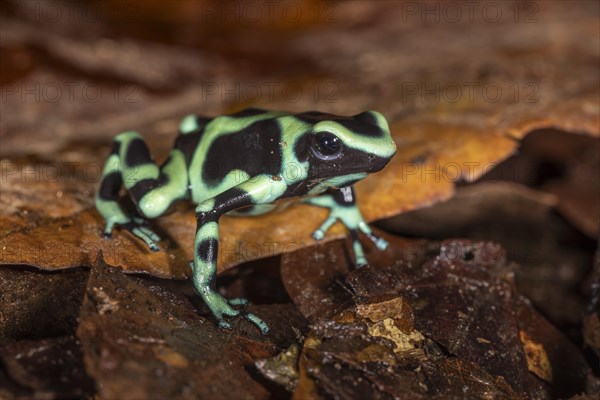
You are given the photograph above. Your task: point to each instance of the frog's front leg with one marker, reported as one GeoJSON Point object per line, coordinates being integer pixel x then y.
{"type": "Point", "coordinates": [342, 206]}
{"type": "Point", "coordinates": [260, 190]}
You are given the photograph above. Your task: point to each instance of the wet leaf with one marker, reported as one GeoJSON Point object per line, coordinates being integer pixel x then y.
{"type": "Point", "coordinates": [317, 291]}
{"type": "Point", "coordinates": [133, 330]}
{"type": "Point", "coordinates": [550, 355]}
{"type": "Point", "coordinates": [447, 322]}
{"type": "Point", "coordinates": [525, 221]}
{"type": "Point", "coordinates": [36, 305]}
{"type": "Point", "coordinates": [51, 368]}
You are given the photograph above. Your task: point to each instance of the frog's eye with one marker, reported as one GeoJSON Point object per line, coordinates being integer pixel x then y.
{"type": "Point", "coordinates": [327, 145]}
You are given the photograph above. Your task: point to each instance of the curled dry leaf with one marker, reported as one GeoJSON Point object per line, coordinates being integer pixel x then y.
{"type": "Point", "coordinates": [282, 368]}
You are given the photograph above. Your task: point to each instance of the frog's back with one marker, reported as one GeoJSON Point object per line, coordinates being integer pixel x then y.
{"type": "Point", "coordinates": [230, 149]}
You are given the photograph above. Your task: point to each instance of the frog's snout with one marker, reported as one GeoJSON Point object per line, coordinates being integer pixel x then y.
{"type": "Point", "coordinates": [393, 148]}
{"type": "Point", "coordinates": [381, 161]}
{"type": "Point", "coordinates": [377, 163]}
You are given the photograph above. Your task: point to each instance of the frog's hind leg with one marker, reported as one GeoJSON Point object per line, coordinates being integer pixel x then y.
{"type": "Point", "coordinates": [152, 189]}
{"type": "Point", "coordinates": [107, 197]}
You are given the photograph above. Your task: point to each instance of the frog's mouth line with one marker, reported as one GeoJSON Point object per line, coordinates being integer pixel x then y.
{"type": "Point", "coordinates": [338, 181]}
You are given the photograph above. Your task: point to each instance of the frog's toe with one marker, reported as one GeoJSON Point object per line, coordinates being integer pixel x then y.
{"type": "Point", "coordinates": [154, 247]}
{"type": "Point", "coordinates": [237, 302]}
{"type": "Point", "coordinates": [107, 234]}
{"type": "Point", "coordinates": [318, 234]}
{"type": "Point", "coordinates": [224, 325]}
{"type": "Point", "coordinates": [142, 233]}
{"type": "Point", "coordinates": [151, 234]}
{"type": "Point", "coordinates": [139, 220]}
{"type": "Point", "coordinates": [381, 244]}
{"type": "Point", "coordinates": [264, 328]}
{"type": "Point", "coordinates": [361, 261]}
{"type": "Point", "coordinates": [225, 310]}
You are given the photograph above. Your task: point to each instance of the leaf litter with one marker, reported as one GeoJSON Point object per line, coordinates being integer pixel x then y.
{"type": "Point", "coordinates": [431, 316]}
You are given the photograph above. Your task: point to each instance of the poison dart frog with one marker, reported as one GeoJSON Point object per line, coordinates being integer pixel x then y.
{"type": "Point", "coordinates": [241, 164]}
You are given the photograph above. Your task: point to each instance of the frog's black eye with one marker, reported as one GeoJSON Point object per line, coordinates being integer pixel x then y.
{"type": "Point", "coordinates": [327, 145]}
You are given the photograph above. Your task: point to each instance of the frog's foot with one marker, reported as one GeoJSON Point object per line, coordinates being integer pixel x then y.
{"type": "Point", "coordinates": [221, 307]}
{"type": "Point", "coordinates": [237, 302]}
{"type": "Point", "coordinates": [359, 252]}
{"type": "Point", "coordinates": [260, 324]}
{"type": "Point", "coordinates": [318, 234]}
{"type": "Point", "coordinates": [108, 228]}
{"type": "Point", "coordinates": [361, 261]}
{"type": "Point", "coordinates": [138, 227]}
{"type": "Point", "coordinates": [379, 242]}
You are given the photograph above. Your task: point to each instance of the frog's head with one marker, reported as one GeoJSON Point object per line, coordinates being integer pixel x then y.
{"type": "Point", "coordinates": [357, 145]}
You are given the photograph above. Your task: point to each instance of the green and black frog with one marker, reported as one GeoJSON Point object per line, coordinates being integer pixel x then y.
{"type": "Point", "coordinates": [241, 164]}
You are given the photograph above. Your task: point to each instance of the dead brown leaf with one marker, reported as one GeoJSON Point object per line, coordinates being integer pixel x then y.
{"type": "Point", "coordinates": [426, 319]}
{"type": "Point", "coordinates": [50, 368]}
{"type": "Point", "coordinates": [450, 322]}
{"type": "Point", "coordinates": [39, 305]}
{"type": "Point", "coordinates": [132, 330]}
{"type": "Point", "coordinates": [526, 222]}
